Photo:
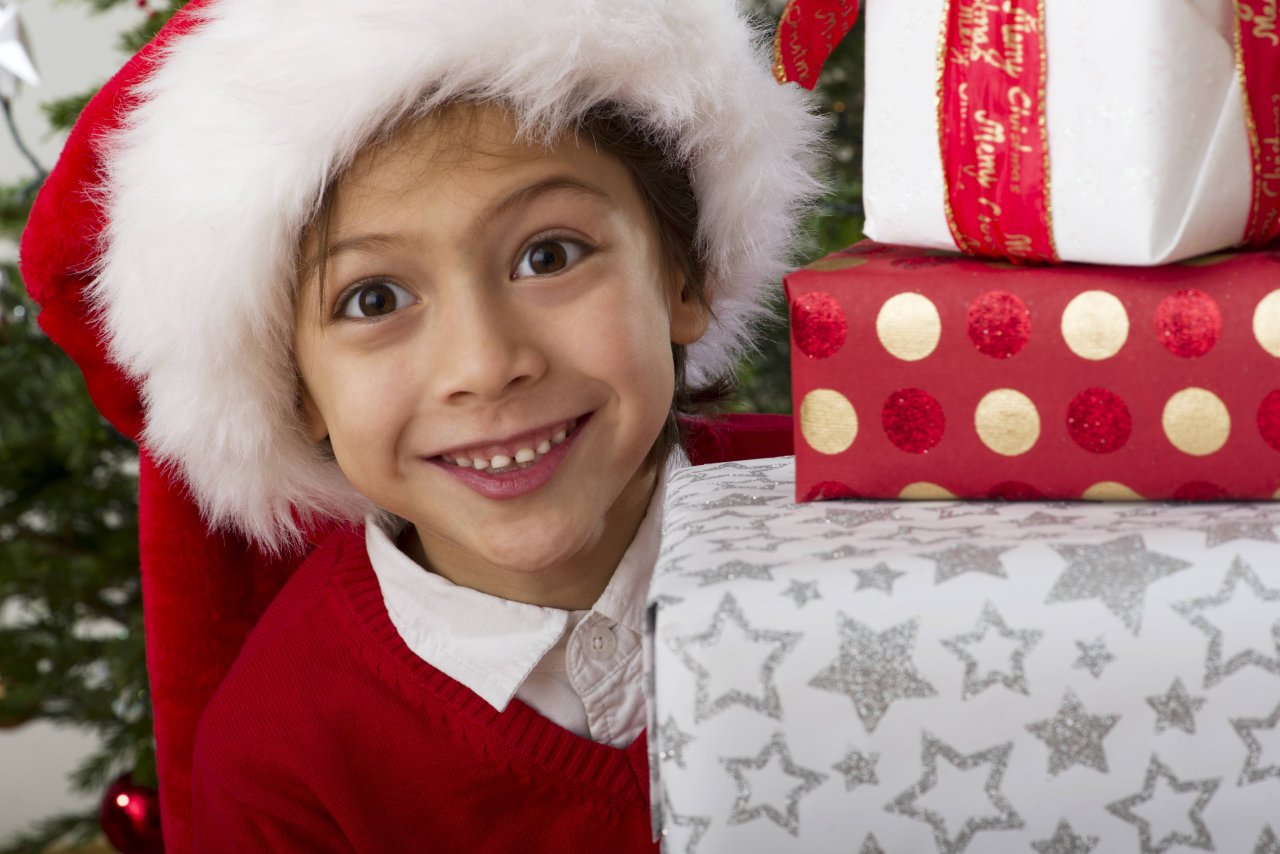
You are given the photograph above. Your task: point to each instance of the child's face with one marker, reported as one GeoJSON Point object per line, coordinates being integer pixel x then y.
{"type": "Point", "coordinates": [480, 296]}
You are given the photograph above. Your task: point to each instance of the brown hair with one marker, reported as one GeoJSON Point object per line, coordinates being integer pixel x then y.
{"type": "Point", "coordinates": [665, 186]}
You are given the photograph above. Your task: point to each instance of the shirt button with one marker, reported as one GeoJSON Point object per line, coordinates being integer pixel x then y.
{"type": "Point", "coordinates": [601, 643]}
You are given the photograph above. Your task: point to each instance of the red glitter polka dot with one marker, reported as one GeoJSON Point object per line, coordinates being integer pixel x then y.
{"type": "Point", "coordinates": [1200, 490]}
{"type": "Point", "coordinates": [818, 324]}
{"type": "Point", "coordinates": [1014, 490]}
{"type": "Point", "coordinates": [999, 324]}
{"type": "Point", "coordinates": [1269, 419]}
{"type": "Point", "coordinates": [830, 489]}
{"type": "Point", "coordinates": [1188, 323]}
{"type": "Point", "coordinates": [913, 420]}
{"type": "Point", "coordinates": [1099, 421]}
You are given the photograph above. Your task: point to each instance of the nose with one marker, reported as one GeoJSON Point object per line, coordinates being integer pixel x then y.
{"type": "Point", "coordinates": [483, 348]}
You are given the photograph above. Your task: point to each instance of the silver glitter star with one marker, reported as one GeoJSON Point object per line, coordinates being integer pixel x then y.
{"type": "Point", "coordinates": [1005, 817]}
{"type": "Point", "coordinates": [765, 700]}
{"type": "Point", "coordinates": [1094, 656]}
{"type": "Point", "coordinates": [1065, 841]}
{"type": "Point", "coordinates": [1176, 708]}
{"type": "Point", "coordinates": [802, 592]}
{"type": "Point", "coordinates": [775, 751]}
{"type": "Point", "coordinates": [1117, 573]}
{"type": "Point", "coordinates": [874, 669]}
{"type": "Point", "coordinates": [959, 510]}
{"type": "Point", "coordinates": [1040, 519]}
{"type": "Point", "coordinates": [1074, 736]}
{"type": "Point", "coordinates": [858, 768]}
{"type": "Point", "coordinates": [1226, 531]}
{"type": "Point", "coordinates": [1123, 809]}
{"type": "Point", "coordinates": [1013, 676]}
{"type": "Point", "coordinates": [673, 740]}
{"type": "Point", "coordinates": [741, 499]}
{"type": "Point", "coordinates": [1193, 610]}
{"type": "Point", "coordinates": [734, 570]}
{"type": "Point", "coordinates": [845, 551]}
{"type": "Point", "coordinates": [1267, 842]}
{"type": "Point", "coordinates": [932, 536]}
{"type": "Point", "coordinates": [1245, 728]}
{"type": "Point", "coordinates": [870, 845]}
{"type": "Point", "coordinates": [762, 541]}
{"type": "Point", "coordinates": [697, 825]}
{"type": "Point", "coordinates": [967, 557]}
{"type": "Point", "coordinates": [878, 577]}
{"type": "Point", "coordinates": [849, 519]}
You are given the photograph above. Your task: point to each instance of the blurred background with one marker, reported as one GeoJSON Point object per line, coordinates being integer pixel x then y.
{"type": "Point", "coordinates": [77, 765]}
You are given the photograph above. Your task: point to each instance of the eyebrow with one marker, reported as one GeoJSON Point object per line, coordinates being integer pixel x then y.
{"type": "Point", "coordinates": [517, 198]}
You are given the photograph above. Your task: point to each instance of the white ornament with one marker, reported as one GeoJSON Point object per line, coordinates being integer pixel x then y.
{"type": "Point", "coordinates": [15, 55]}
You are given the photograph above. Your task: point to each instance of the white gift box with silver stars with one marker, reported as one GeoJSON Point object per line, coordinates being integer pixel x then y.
{"type": "Point", "coordinates": [961, 677]}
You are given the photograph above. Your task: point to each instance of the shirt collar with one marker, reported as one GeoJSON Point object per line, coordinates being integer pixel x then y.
{"type": "Point", "coordinates": [491, 644]}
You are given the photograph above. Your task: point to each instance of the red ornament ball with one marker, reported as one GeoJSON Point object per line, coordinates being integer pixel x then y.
{"type": "Point", "coordinates": [1099, 421]}
{"type": "Point", "coordinates": [818, 324]}
{"type": "Point", "coordinates": [1014, 490]}
{"type": "Point", "coordinates": [130, 817]}
{"type": "Point", "coordinates": [830, 489]}
{"type": "Point", "coordinates": [913, 420]}
{"type": "Point", "coordinates": [1269, 419]}
{"type": "Point", "coordinates": [1188, 323]}
{"type": "Point", "coordinates": [1201, 490]}
{"type": "Point", "coordinates": [999, 324]}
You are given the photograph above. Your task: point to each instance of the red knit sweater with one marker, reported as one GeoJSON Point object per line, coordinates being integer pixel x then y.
{"type": "Point", "coordinates": [329, 734]}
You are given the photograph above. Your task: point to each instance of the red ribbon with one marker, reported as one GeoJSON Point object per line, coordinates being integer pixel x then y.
{"type": "Point", "coordinates": [991, 127]}
{"type": "Point", "coordinates": [1258, 57]}
{"type": "Point", "coordinates": [808, 32]}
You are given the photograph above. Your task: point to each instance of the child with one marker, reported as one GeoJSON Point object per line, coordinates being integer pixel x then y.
{"type": "Point", "coordinates": [438, 277]}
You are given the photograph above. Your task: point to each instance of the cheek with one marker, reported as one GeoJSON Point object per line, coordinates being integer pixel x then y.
{"type": "Point", "coordinates": [363, 406]}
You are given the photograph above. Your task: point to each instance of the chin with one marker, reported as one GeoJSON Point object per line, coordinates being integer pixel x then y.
{"type": "Point", "coordinates": [522, 550]}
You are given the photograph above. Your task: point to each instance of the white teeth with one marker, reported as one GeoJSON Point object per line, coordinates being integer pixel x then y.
{"type": "Point", "coordinates": [523, 456]}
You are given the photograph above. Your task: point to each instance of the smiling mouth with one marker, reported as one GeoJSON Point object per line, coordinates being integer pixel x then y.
{"type": "Point", "coordinates": [513, 456]}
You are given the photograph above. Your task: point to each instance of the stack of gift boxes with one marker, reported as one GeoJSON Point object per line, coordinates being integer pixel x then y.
{"type": "Point", "coordinates": [1071, 312]}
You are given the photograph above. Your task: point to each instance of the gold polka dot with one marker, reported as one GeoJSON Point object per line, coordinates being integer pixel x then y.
{"type": "Point", "coordinates": [1109, 490]}
{"type": "Point", "coordinates": [909, 326]}
{"type": "Point", "coordinates": [836, 262]}
{"type": "Point", "coordinates": [922, 490]}
{"type": "Point", "coordinates": [1095, 325]}
{"type": "Point", "coordinates": [1266, 323]}
{"type": "Point", "coordinates": [1276, 497]}
{"type": "Point", "coordinates": [1196, 421]}
{"type": "Point", "coordinates": [827, 421]}
{"type": "Point", "coordinates": [1007, 422]}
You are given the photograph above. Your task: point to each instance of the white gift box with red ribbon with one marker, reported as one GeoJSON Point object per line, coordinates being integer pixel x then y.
{"type": "Point", "coordinates": [1136, 113]}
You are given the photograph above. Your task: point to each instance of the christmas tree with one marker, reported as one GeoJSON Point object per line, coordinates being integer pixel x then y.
{"type": "Point", "coordinates": [71, 646]}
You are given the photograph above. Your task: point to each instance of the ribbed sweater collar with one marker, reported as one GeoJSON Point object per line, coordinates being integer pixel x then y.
{"type": "Point", "coordinates": [518, 728]}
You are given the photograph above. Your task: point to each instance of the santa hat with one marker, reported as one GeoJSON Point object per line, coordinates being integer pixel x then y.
{"type": "Point", "coordinates": [161, 245]}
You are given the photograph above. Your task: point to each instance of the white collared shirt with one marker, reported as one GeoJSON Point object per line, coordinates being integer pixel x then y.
{"type": "Point", "coordinates": [580, 669]}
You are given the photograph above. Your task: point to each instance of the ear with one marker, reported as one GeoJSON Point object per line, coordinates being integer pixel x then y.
{"type": "Point", "coordinates": [689, 317]}
{"type": "Point", "coordinates": [313, 422]}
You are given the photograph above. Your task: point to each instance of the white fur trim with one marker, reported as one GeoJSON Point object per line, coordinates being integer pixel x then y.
{"type": "Point", "coordinates": [246, 118]}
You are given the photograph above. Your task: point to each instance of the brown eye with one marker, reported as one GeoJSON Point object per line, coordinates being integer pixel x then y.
{"type": "Point", "coordinates": [547, 257]}
{"type": "Point", "coordinates": [375, 299]}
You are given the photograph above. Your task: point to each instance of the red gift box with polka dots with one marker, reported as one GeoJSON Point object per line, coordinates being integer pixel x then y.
{"type": "Point", "coordinates": [931, 375]}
